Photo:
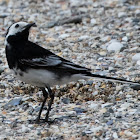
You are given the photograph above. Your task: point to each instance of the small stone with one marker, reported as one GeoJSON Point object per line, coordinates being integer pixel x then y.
{"type": "Point", "coordinates": [79, 97]}
{"type": "Point", "coordinates": [63, 36]}
{"type": "Point", "coordinates": [106, 38]}
{"type": "Point", "coordinates": [125, 38]}
{"type": "Point", "coordinates": [93, 22]}
{"type": "Point", "coordinates": [136, 57]}
{"type": "Point", "coordinates": [24, 129]}
{"type": "Point", "coordinates": [95, 93]}
{"type": "Point", "coordinates": [118, 115]}
{"type": "Point", "coordinates": [110, 110]}
{"type": "Point", "coordinates": [134, 49]}
{"type": "Point", "coordinates": [14, 102]}
{"type": "Point", "coordinates": [13, 124]}
{"type": "Point", "coordinates": [128, 96]}
{"type": "Point", "coordinates": [102, 53]}
{"type": "Point", "coordinates": [88, 132]}
{"type": "Point", "coordinates": [36, 109]}
{"type": "Point", "coordinates": [79, 110]}
{"type": "Point", "coordinates": [103, 110]}
{"type": "Point", "coordinates": [138, 62]}
{"type": "Point", "coordinates": [66, 100]}
{"type": "Point", "coordinates": [110, 122]}
{"type": "Point", "coordinates": [95, 129]}
{"type": "Point", "coordinates": [115, 135]}
{"type": "Point", "coordinates": [94, 106]}
{"type": "Point", "coordinates": [121, 14]}
{"type": "Point", "coordinates": [135, 136]}
{"type": "Point", "coordinates": [81, 38]}
{"type": "Point", "coordinates": [136, 20]}
{"type": "Point", "coordinates": [115, 46]}
{"type": "Point", "coordinates": [128, 133]}
{"type": "Point", "coordinates": [107, 105]}
{"type": "Point", "coordinates": [99, 133]}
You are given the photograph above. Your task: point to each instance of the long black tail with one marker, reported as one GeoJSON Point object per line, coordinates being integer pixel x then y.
{"type": "Point", "coordinates": [111, 79]}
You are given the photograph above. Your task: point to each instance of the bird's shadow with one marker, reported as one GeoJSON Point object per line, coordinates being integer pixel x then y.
{"type": "Point", "coordinates": [51, 121]}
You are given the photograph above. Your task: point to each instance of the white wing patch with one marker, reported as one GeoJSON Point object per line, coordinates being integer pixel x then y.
{"type": "Point", "coordinates": [46, 61]}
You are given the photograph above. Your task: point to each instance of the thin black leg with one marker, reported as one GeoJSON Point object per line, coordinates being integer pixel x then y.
{"type": "Point", "coordinates": [45, 94]}
{"type": "Point", "coordinates": [49, 104]}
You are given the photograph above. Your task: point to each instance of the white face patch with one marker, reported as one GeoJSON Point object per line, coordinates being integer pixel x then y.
{"type": "Point", "coordinates": [15, 28]}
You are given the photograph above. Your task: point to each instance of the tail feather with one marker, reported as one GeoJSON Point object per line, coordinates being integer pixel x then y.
{"type": "Point", "coordinates": [112, 79]}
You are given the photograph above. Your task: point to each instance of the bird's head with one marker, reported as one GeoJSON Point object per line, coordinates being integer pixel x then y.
{"type": "Point", "coordinates": [18, 32]}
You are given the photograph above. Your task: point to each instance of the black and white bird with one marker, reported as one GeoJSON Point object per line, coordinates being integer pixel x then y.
{"type": "Point", "coordinates": [40, 67]}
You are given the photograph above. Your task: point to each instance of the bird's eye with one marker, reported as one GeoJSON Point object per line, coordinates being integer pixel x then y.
{"type": "Point", "coordinates": [17, 25]}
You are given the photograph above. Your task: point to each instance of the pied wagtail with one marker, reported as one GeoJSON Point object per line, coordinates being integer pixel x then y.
{"type": "Point", "coordinates": [40, 67]}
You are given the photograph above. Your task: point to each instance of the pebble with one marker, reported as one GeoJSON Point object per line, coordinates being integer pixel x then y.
{"type": "Point", "coordinates": [24, 129]}
{"type": "Point", "coordinates": [136, 57]}
{"type": "Point", "coordinates": [81, 38]}
{"type": "Point", "coordinates": [115, 135]}
{"type": "Point", "coordinates": [64, 36]}
{"type": "Point", "coordinates": [125, 38]}
{"type": "Point", "coordinates": [128, 133]}
{"type": "Point", "coordinates": [79, 110]}
{"type": "Point", "coordinates": [110, 122]}
{"type": "Point", "coordinates": [122, 14]}
{"type": "Point", "coordinates": [95, 129]}
{"type": "Point", "coordinates": [93, 22]}
{"type": "Point", "coordinates": [66, 100]}
{"type": "Point", "coordinates": [13, 102]}
{"type": "Point", "coordinates": [138, 62]}
{"type": "Point", "coordinates": [107, 105]}
{"type": "Point", "coordinates": [115, 46]}
{"type": "Point", "coordinates": [94, 106]}
{"type": "Point", "coordinates": [95, 93]}
{"type": "Point", "coordinates": [110, 110]}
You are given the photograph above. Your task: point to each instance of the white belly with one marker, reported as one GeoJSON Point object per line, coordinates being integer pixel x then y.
{"type": "Point", "coordinates": [42, 78]}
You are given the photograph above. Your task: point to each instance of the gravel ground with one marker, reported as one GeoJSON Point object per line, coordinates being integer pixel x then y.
{"type": "Point", "coordinates": [107, 40]}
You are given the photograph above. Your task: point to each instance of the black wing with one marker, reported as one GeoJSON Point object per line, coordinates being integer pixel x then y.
{"type": "Point", "coordinates": [45, 61]}
{"type": "Point", "coordinates": [41, 58]}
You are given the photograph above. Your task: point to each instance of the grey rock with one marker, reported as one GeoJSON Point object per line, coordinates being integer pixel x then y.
{"type": "Point", "coordinates": [37, 108]}
{"type": "Point", "coordinates": [122, 14]}
{"type": "Point", "coordinates": [136, 57]}
{"type": "Point", "coordinates": [93, 22]}
{"type": "Point", "coordinates": [13, 102]}
{"type": "Point", "coordinates": [81, 38]}
{"type": "Point", "coordinates": [114, 46]}
{"type": "Point", "coordinates": [110, 122]}
{"type": "Point", "coordinates": [110, 110]}
{"type": "Point", "coordinates": [65, 100]}
{"type": "Point", "coordinates": [79, 110]}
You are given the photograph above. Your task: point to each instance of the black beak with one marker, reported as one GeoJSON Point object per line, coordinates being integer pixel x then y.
{"type": "Point", "coordinates": [27, 27]}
